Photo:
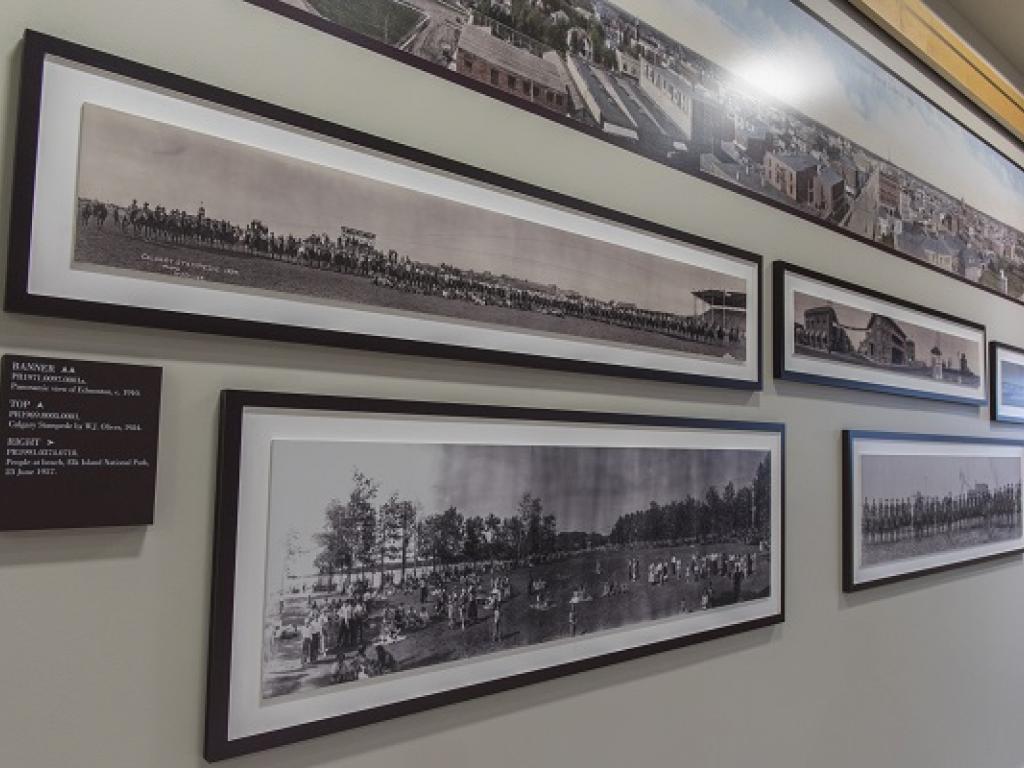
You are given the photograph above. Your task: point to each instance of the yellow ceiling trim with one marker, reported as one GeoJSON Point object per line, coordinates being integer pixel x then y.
{"type": "Point", "coordinates": [932, 40]}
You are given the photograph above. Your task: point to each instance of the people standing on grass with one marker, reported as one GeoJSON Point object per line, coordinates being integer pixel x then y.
{"type": "Point", "coordinates": [572, 619]}
{"type": "Point", "coordinates": [315, 634]}
{"type": "Point", "coordinates": [359, 615]}
{"type": "Point", "coordinates": [345, 617]}
{"type": "Point", "coordinates": [496, 636]}
{"type": "Point", "coordinates": [306, 641]}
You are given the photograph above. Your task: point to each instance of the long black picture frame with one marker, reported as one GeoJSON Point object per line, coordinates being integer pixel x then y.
{"type": "Point", "coordinates": [783, 367]}
{"type": "Point", "coordinates": [304, 16]}
{"type": "Point", "coordinates": [38, 48]}
{"type": "Point", "coordinates": [850, 582]}
{"type": "Point", "coordinates": [235, 404]}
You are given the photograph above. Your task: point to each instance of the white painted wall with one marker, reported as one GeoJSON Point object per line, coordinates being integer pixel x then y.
{"type": "Point", "coordinates": [103, 634]}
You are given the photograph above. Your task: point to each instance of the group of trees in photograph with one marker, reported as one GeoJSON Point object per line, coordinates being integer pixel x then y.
{"type": "Point", "coordinates": [547, 24]}
{"type": "Point", "coordinates": [368, 533]}
{"type": "Point", "coordinates": [723, 513]}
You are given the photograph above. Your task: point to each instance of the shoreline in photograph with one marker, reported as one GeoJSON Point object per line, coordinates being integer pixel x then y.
{"type": "Point", "coordinates": [376, 582]}
{"type": "Point", "coordinates": [529, 621]}
{"type": "Point", "coordinates": [592, 64]}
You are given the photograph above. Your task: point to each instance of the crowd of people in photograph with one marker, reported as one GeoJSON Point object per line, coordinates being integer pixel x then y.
{"type": "Point", "coordinates": [356, 253]}
{"type": "Point", "coordinates": [920, 516]}
{"type": "Point", "coordinates": [354, 627]}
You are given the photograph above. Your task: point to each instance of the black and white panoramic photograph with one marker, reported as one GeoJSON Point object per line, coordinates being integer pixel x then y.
{"type": "Point", "coordinates": [386, 558]}
{"type": "Point", "coordinates": [1007, 371]}
{"type": "Point", "coordinates": [919, 505]}
{"type": "Point", "coordinates": [831, 330]}
{"type": "Point", "coordinates": [395, 559]}
{"type": "Point", "coordinates": [184, 207]}
{"type": "Point", "coordinates": [760, 97]}
{"type": "Point", "coordinates": [835, 333]}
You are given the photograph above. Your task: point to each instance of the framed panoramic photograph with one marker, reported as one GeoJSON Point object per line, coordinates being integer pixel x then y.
{"type": "Point", "coordinates": [919, 504]}
{"type": "Point", "coordinates": [1006, 367]}
{"type": "Point", "coordinates": [148, 199]}
{"type": "Point", "coordinates": [375, 558]}
{"type": "Point", "coordinates": [767, 99]}
{"type": "Point", "coordinates": [832, 332]}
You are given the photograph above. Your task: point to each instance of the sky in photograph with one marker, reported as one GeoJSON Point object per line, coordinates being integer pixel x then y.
{"type": "Point", "coordinates": [925, 339]}
{"type": "Point", "coordinates": [124, 157]}
{"type": "Point", "coordinates": [586, 488]}
{"type": "Point", "coordinates": [783, 50]}
{"type": "Point", "coordinates": [889, 476]}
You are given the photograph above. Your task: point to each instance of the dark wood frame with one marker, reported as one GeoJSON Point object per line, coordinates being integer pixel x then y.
{"type": "Point", "coordinates": [233, 404]}
{"type": "Point", "coordinates": [303, 17]}
{"type": "Point", "coordinates": [849, 436]}
{"type": "Point", "coordinates": [994, 380]}
{"type": "Point", "coordinates": [780, 331]}
{"type": "Point", "coordinates": [36, 48]}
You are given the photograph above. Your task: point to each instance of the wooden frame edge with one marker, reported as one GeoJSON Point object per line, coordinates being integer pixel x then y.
{"type": "Point", "coordinates": [850, 586]}
{"type": "Point", "coordinates": [38, 46]}
{"type": "Point", "coordinates": [781, 268]}
{"type": "Point", "coordinates": [217, 747]}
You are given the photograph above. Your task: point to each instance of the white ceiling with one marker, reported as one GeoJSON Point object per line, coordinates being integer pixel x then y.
{"type": "Point", "coordinates": [995, 28]}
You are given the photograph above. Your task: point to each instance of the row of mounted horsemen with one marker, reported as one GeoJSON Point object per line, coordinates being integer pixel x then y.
{"type": "Point", "coordinates": [359, 257]}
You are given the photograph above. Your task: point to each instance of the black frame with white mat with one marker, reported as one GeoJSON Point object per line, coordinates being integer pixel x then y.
{"type": "Point", "coordinates": [819, 347]}
{"type": "Point", "coordinates": [917, 504]}
{"type": "Point", "coordinates": [242, 717]}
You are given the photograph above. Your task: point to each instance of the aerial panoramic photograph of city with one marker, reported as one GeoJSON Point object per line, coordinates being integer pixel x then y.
{"type": "Point", "coordinates": [760, 97]}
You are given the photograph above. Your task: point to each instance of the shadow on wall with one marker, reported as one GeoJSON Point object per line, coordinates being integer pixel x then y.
{"type": "Point", "coordinates": [1010, 566]}
{"type": "Point", "coordinates": [70, 545]}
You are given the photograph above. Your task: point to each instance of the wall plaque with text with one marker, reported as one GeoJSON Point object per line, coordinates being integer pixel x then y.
{"type": "Point", "coordinates": [79, 442]}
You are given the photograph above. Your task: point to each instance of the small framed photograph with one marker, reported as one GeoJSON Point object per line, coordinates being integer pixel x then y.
{"type": "Point", "coordinates": [1006, 367]}
{"type": "Point", "coordinates": [832, 332]}
{"type": "Point", "coordinates": [919, 504]}
{"type": "Point", "coordinates": [375, 558]}
{"type": "Point", "coordinates": [147, 199]}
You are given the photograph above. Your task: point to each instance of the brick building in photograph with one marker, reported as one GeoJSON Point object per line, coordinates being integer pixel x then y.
{"type": "Point", "coordinates": [828, 191]}
{"type": "Point", "coordinates": [792, 174]}
{"type": "Point", "coordinates": [886, 343]}
{"type": "Point", "coordinates": [513, 70]}
{"type": "Point", "coordinates": [889, 190]}
{"type": "Point", "coordinates": [822, 330]}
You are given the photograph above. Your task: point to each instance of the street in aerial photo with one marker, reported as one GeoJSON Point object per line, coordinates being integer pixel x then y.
{"type": "Point", "coordinates": [755, 96]}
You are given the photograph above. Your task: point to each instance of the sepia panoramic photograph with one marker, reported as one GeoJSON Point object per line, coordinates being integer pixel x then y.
{"type": "Point", "coordinates": [761, 97]}
{"type": "Point", "coordinates": [915, 506]}
{"type": "Point", "coordinates": [182, 205]}
{"type": "Point", "coordinates": [831, 330]}
{"type": "Point", "coordinates": [388, 557]}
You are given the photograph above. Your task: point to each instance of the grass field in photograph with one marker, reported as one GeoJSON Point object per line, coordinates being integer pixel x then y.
{"type": "Point", "coordinates": [874, 553]}
{"type": "Point", "coordinates": [109, 247]}
{"type": "Point", "coordinates": [523, 625]}
{"type": "Point", "coordinates": [384, 20]}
